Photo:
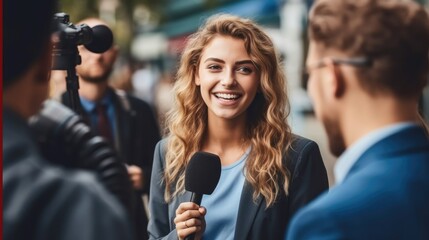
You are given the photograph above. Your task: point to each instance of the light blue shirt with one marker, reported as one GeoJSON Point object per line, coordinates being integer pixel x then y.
{"type": "Point", "coordinates": [89, 107]}
{"type": "Point", "coordinates": [222, 205]}
{"type": "Point", "coordinates": [351, 155]}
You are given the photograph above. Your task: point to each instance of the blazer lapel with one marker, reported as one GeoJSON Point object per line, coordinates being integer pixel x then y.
{"type": "Point", "coordinates": [246, 212]}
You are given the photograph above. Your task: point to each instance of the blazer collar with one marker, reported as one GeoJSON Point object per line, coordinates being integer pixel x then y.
{"type": "Point", "coordinates": [411, 139]}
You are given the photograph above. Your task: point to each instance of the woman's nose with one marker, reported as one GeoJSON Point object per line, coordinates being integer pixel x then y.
{"type": "Point", "coordinates": [228, 79]}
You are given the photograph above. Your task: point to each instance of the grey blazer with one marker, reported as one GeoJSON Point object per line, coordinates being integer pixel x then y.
{"type": "Point", "coordinates": [255, 221]}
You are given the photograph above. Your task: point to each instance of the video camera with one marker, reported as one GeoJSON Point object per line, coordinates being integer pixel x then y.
{"type": "Point", "coordinates": [65, 54]}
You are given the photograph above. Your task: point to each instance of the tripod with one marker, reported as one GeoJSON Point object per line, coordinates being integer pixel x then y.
{"type": "Point", "coordinates": [67, 59]}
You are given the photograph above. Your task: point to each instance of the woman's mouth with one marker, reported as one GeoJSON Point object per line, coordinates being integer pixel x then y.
{"type": "Point", "coordinates": [227, 96]}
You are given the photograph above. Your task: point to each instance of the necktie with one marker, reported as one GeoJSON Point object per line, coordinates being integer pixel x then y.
{"type": "Point", "coordinates": [103, 126]}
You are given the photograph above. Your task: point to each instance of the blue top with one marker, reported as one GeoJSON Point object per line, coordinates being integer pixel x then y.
{"type": "Point", "coordinates": [89, 107]}
{"type": "Point", "coordinates": [351, 155]}
{"type": "Point", "coordinates": [222, 205]}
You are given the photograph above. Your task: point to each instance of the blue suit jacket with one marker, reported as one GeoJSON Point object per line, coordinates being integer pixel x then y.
{"type": "Point", "coordinates": [384, 196]}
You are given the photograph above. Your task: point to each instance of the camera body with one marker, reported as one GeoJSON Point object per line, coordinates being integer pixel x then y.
{"type": "Point", "coordinates": [65, 54]}
{"type": "Point", "coordinates": [97, 39]}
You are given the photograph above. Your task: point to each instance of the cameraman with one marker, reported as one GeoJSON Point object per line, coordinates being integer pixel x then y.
{"type": "Point", "coordinates": [127, 122]}
{"type": "Point", "coordinates": [42, 201]}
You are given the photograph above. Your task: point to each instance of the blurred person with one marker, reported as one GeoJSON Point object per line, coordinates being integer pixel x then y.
{"type": "Point", "coordinates": [368, 63]}
{"type": "Point", "coordinates": [145, 79]}
{"type": "Point", "coordinates": [231, 101]}
{"type": "Point", "coordinates": [126, 122]}
{"type": "Point", "coordinates": [42, 201]}
{"type": "Point", "coordinates": [120, 78]}
{"type": "Point", "coordinates": [164, 98]}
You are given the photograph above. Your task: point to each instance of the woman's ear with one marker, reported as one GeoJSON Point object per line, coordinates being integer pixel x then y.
{"type": "Point", "coordinates": [197, 80]}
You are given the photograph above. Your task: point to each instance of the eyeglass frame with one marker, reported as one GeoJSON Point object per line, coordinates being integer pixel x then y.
{"type": "Point", "coordinates": [354, 61]}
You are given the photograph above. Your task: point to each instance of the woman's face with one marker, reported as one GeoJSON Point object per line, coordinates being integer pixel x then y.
{"type": "Point", "coordinates": [227, 78]}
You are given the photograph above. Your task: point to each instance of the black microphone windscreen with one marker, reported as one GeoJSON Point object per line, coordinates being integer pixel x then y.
{"type": "Point", "coordinates": [102, 39]}
{"type": "Point", "coordinates": [202, 173]}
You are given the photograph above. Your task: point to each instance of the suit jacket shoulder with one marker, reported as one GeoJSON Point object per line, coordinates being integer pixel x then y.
{"type": "Point", "coordinates": [384, 196]}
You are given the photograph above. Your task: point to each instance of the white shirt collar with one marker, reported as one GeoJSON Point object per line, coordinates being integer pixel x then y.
{"type": "Point", "coordinates": [349, 157]}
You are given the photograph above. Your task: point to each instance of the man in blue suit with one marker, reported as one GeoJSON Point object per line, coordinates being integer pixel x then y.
{"type": "Point", "coordinates": [368, 63]}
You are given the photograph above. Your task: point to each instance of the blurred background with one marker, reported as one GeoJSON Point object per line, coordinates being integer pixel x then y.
{"type": "Point", "coordinates": [151, 35]}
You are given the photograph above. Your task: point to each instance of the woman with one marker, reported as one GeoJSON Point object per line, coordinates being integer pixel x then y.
{"type": "Point", "coordinates": [231, 101]}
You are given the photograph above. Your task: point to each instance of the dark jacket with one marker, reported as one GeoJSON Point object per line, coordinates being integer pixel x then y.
{"type": "Point", "coordinates": [136, 135]}
{"type": "Point", "coordinates": [46, 202]}
{"type": "Point", "coordinates": [255, 221]}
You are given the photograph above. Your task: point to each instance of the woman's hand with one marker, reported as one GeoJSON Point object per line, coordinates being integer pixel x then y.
{"type": "Point", "coordinates": [190, 219]}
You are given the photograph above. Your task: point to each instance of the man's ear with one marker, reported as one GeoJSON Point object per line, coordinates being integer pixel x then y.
{"type": "Point", "coordinates": [338, 84]}
{"type": "Point", "coordinates": [115, 51]}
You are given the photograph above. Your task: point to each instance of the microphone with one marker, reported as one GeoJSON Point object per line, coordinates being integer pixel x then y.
{"type": "Point", "coordinates": [102, 39]}
{"type": "Point", "coordinates": [201, 177]}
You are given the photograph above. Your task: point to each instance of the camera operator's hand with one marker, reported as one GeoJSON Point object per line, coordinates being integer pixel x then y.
{"type": "Point", "coordinates": [136, 176]}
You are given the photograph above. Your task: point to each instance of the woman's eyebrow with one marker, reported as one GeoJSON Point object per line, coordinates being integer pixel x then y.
{"type": "Point", "coordinates": [215, 60]}
{"type": "Point", "coordinates": [244, 62]}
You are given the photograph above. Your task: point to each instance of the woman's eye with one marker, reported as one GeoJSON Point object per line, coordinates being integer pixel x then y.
{"type": "Point", "coordinates": [245, 70]}
{"type": "Point", "coordinates": [213, 67]}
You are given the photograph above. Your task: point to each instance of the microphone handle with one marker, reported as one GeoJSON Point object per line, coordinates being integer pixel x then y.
{"type": "Point", "coordinates": [195, 198]}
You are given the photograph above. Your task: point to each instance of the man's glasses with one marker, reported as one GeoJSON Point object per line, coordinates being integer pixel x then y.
{"type": "Point", "coordinates": [356, 62]}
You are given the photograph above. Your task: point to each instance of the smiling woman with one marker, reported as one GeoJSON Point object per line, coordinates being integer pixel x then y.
{"type": "Point", "coordinates": [228, 80]}
{"type": "Point", "coordinates": [231, 101]}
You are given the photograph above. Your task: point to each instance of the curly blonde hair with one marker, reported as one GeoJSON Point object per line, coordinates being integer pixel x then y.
{"type": "Point", "coordinates": [267, 129]}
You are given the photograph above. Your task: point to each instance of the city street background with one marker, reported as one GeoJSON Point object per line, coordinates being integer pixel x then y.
{"type": "Point", "coordinates": [151, 35]}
